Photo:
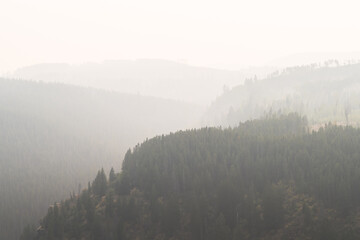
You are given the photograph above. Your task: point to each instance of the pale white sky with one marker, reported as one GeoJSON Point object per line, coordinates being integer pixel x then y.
{"type": "Point", "coordinates": [227, 34]}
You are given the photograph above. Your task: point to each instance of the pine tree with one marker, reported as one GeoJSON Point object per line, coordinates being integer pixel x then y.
{"type": "Point", "coordinates": [100, 183]}
{"type": "Point", "coordinates": [112, 175]}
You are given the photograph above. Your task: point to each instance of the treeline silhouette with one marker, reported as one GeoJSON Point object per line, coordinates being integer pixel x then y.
{"type": "Point", "coordinates": [265, 179]}
{"type": "Point", "coordinates": [54, 138]}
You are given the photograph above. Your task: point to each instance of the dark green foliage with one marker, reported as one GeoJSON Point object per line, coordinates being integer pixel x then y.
{"type": "Point", "coordinates": [110, 205]}
{"type": "Point", "coordinates": [100, 183]}
{"type": "Point", "coordinates": [307, 215]}
{"type": "Point", "coordinates": [266, 179]}
{"type": "Point", "coordinates": [273, 207]}
{"type": "Point", "coordinates": [327, 231]}
{"type": "Point", "coordinates": [220, 229]}
{"type": "Point", "coordinates": [112, 175]}
{"type": "Point", "coordinates": [170, 217]}
{"type": "Point", "coordinates": [56, 136]}
{"type": "Point", "coordinates": [29, 233]}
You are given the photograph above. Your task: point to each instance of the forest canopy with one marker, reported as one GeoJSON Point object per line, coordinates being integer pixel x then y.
{"type": "Point", "coordinates": [54, 138]}
{"type": "Point", "coordinates": [265, 179]}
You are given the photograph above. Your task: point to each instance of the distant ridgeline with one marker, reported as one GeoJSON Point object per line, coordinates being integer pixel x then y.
{"type": "Point", "coordinates": [265, 179]}
{"type": "Point", "coordinates": [323, 93]}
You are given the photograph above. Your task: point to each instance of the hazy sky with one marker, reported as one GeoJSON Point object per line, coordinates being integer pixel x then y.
{"type": "Point", "coordinates": [227, 34]}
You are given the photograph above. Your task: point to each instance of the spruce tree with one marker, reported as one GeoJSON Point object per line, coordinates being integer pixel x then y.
{"type": "Point", "coordinates": [112, 175]}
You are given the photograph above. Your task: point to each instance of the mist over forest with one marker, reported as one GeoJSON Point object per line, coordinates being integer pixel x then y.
{"type": "Point", "coordinates": [54, 138]}
{"type": "Point", "coordinates": [324, 92]}
{"type": "Point", "coordinates": [59, 135]}
{"type": "Point", "coordinates": [148, 77]}
{"type": "Point", "coordinates": [179, 120]}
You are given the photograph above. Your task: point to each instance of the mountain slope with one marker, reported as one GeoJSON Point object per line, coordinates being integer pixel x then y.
{"type": "Point", "coordinates": [54, 137]}
{"type": "Point", "coordinates": [266, 179]}
{"type": "Point", "coordinates": [148, 77]}
{"type": "Point", "coordinates": [324, 93]}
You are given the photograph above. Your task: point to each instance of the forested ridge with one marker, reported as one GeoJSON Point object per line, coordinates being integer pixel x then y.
{"type": "Point", "coordinates": [265, 179]}
{"type": "Point", "coordinates": [54, 138]}
{"type": "Point", "coordinates": [150, 77]}
{"type": "Point", "coordinates": [323, 92]}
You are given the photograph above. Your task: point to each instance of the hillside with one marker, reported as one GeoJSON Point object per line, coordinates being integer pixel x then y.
{"type": "Point", "coordinates": [328, 92]}
{"type": "Point", "coordinates": [150, 77]}
{"type": "Point", "coordinates": [265, 179]}
{"type": "Point", "coordinates": [54, 138]}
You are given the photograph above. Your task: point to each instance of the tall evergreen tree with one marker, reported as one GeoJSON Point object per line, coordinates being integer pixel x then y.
{"type": "Point", "coordinates": [100, 183]}
{"type": "Point", "coordinates": [112, 175]}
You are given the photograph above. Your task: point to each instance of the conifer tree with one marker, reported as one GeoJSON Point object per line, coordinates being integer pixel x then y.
{"type": "Point", "coordinates": [112, 175]}
{"type": "Point", "coordinates": [100, 183]}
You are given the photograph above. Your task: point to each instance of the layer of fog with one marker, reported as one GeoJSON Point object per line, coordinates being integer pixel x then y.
{"type": "Point", "coordinates": [158, 78]}
{"type": "Point", "coordinates": [327, 92]}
